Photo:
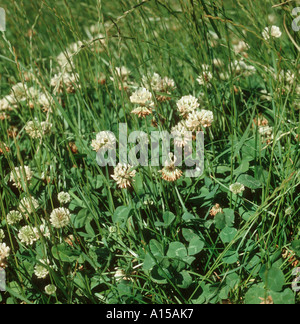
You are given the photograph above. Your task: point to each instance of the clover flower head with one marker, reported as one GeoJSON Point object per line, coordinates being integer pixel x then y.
{"type": "Point", "coordinates": [187, 105]}
{"type": "Point", "coordinates": [4, 253]}
{"type": "Point", "coordinates": [196, 119]}
{"type": "Point", "coordinates": [237, 188]}
{"type": "Point", "coordinates": [64, 197]}
{"type": "Point", "coordinates": [124, 175]}
{"type": "Point", "coordinates": [273, 31]}
{"type": "Point", "coordinates": [28, 235]}
{"type": "Point", "coordinates": [40, 270]}
{"type": "Point", "coordinates": [104, 140]}
{"type": "Point", "coordinates": [14, 217]}
{"type": "Point", "coordinates": [28, 206]}
{"type": "Point", "coordinates": [36, 129]}
{"type": "Point", "coordinates": [142, 97]}
{"type": "Point", "coordinates": [20, 175]}
{"type": "Point", "coordinates": [60, 217]}
{"type": "Point", "coordinates": [50, 290]}
{"type": "Point", "coordinates": [2, 235]}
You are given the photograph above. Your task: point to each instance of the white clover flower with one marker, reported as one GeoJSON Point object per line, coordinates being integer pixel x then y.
{"type": "Point", "coordinates": [158, 84]}
{"type": "Point", "coordinates": [149, 203]}
{"type": "Point", "coordinates": [4, 253]}
{"type": "Point", "coordinates": [28, 206]}
{"type": "Point", "coordinates": [205, 77]}
{"type": "Point", "coordinates": [240, 67]}
{"type": "Point", "coordinates": [18, 91]}
{"type": "Point", "coordinates": [241, 47]}
{"type": "Point", "coordinates": [218, 62]}
{"type": "Point", "coordinates": [289, 211]}
{"type": "Point", "coordinates": [266, 131]}
{"type": "Point", "coordinates": [237, 188]}
{"type": "Point", "coordinates": [290, 77]}
{"type": "Point", "coordinates": [75, 47]}
{"type": "Point", "coordinates": [168, 84]}
{"type": "Point", "coordinates": [45, 101]}
{"type": "Point", "coordinates": [44, 229]}
{"type": "Point", "coordinates": [123, 72]}
{"type": "Point", "coordinates": [60, 217]}
{"type": "Point", "coordinates": [120, 275]}
{"type": "Point", "coordinates": [180, 134]}
{"type": "Point", "coordinates": [41, 271]}
{"type": "Point", "coordinates": [265, 95]}
{"type": "Point", "coordinates": [104, 140]}
{"type": "Point", "coordinates": [273, 31]}
{"type": "Point", "coordinates": [142, 97]}
{"type": "Point", "coordinates": [36, 129]}
{"type": "Point", "coordinates": [65, 60]}
{"type": "Point", "coordinates": [50, 290]}
{"type": "Point", "coordinates": [187, 105]}
{"type": "Point", "coordinates": [28, 235]}
{"type": "Point", "coordinates": [20, 175]}
{"type": "Point", "coordinates": [7, 103]}
{"type": "Point", "coordinates": [95, 29]}
{"type": "Point", "coordinates": [124, 175]}
{"type": "Point", "coordinates": [196, 119]}
{"type": "Point", "coordinates": [2, 235]}
{"type": "Point", "coordinates": [207, 118]}
{"type": "Point", "coordinates": [4, 105]}
{"type": "Point", "coordinates": [112, 229]}
{"type": "Point", "coordinates": [33, 92]}
{"type": "Point", "coordinates": [14, 217]}
{"type": "Point", "coordinates": [250, 70]}
{"type": "Point", "coordinates": [224, 76]}
{"type": "Point", "coordinates": [64, 197]}
{"type": "Point", "coordinates": [66, 81]}
{"type": "Point", "coordinates": [155, 82]}
{"type": "Point", "coordinates": [272, 18]}
{"type": "Point", "coordinates": [11, 100]}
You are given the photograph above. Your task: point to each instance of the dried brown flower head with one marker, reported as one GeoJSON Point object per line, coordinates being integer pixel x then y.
{"type": "Point", "coordinates": [267, 301]}
{"type": "Point", "coordinates": [216, 210]}
{"type": "Point", "coordinates": [261, 121]}
{"type": "Point", "coordinates": [3, 148]}
{"type": "Point", "coordinates": [170, 173]}
{"type": "Point", "coordinates": [142, 112]}
{"type": "Point", "coordinates": [73, 147]}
